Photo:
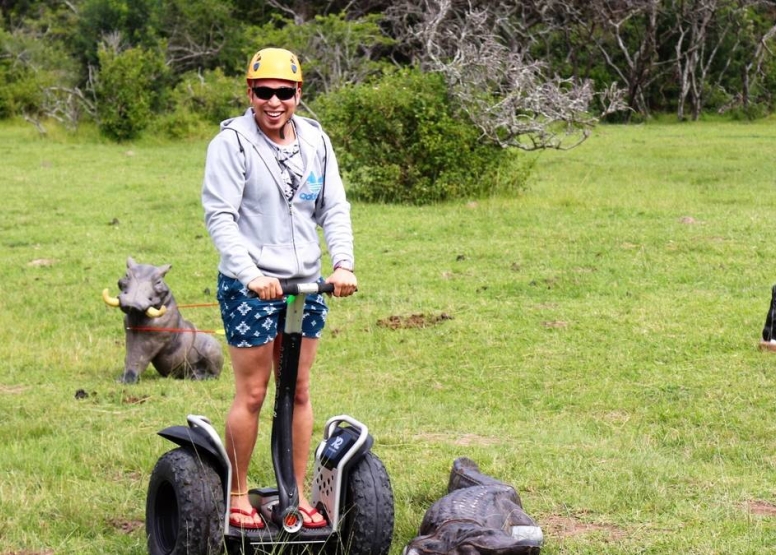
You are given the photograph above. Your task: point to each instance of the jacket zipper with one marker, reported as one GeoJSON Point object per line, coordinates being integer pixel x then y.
{"type": "Point", "coordinates": [293, 233]}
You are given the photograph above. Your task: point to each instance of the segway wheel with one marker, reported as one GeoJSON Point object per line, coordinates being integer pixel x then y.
{"type": "Point", "coordinates": [367, 527]}
{"type": "Point", "coordinates": [185, 506]}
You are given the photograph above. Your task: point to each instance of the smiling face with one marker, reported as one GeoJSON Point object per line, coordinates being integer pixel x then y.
{"type": "Point", "coordinates": [273, 115]}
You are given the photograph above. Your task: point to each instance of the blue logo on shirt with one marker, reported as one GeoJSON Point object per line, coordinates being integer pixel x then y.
{"type": "Point", "coordinates": [315, 183]}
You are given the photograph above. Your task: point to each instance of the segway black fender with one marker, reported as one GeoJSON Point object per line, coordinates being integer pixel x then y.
{"type": "Point", "coordinates": [190, 437]}
{"type": "Point", "coordinates": [199, 441]}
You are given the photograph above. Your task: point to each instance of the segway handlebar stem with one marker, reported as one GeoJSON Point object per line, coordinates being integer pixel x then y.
{"type": "Point", "coordinates": [282, 435]}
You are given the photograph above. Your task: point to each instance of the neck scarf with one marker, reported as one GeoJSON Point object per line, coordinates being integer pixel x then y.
{"type": "Point", "coordinates": [290, 162]}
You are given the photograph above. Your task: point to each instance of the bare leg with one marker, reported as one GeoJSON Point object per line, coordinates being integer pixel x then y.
{"type": "Point", "coordinates": [252, 368]}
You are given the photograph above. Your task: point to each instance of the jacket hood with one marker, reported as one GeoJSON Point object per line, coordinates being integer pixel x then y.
{"type": "Point", "coordinates": [226, 123]}
{"type": "Point", "coordinates": [245, 124]}
{"type": "Point", "coordinates": [309, 130]}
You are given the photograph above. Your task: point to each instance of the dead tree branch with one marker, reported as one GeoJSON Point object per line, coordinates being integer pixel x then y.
{"type": "Point", "coordinates": [507, 95]}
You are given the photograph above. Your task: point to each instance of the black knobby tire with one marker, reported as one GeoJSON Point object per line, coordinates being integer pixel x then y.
{"type": "Point", "coordinates": [367, 527]}
{"type": "Point", "coordinates": [185, 506]}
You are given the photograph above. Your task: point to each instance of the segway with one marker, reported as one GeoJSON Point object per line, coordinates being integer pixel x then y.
{"type": "Point", "coordinates": [187, 508]}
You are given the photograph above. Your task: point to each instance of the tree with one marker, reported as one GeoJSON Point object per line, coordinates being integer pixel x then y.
{"type": "Point", "coordinates": [703, 29]}
{"type": "Point", "coordinates": [134, 22]}
{"type": "Point", "coordinates": [693, 21]}
{"type": "Point", "coordinates": [334, 51]}
{"type": "Point", "coordinates": [526, 73]}
{"type": "Point", "coordinates": [630, 47]}
{"type": "Point", "coordinates": [760, 39]}
{"type": "Point", "coordinates": [508, 96]}
{"type": "Point", "coordinates": [201, 35]}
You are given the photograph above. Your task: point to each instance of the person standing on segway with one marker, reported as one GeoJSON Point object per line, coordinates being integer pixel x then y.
{"type": "Point", "coordinates": [271, 179]}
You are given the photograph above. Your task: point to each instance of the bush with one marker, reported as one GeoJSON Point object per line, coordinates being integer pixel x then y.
{"type": "Point", "coordinates": [21, 93]}
{"type": "Point", "coordinates": [210, 95]}
{"type": "Point", "coordinates": [180, 125]}
{"type": "Point", "coordinates": [130, 84]}
{"type": "Point", "coordinates": [198, 103]}
{"type": "Point", "coordinates": [30, 69]}
{"type": "Point", "coordinates": [750, 112]}
{"type": "Point", "coordinates": [399, 141]}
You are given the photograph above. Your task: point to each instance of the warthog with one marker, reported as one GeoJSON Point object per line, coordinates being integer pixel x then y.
{"type": "Point", "coordinates": [156, 332]}
{"type": "Point", "coordinates": [479, 515]}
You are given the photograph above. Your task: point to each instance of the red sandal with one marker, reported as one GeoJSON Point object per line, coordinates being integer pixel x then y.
{"type": "Point", "coordinates": [237, 523]}
{"type": "Point", "coordinates": [310, 514]}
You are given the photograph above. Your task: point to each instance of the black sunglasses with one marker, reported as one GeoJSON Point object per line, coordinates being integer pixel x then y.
{"type": "Point", "coordinates": [266, 93]}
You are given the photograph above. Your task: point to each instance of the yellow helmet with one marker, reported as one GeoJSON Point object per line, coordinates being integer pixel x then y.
{"type": "Point", "coordinates": [275, 63]}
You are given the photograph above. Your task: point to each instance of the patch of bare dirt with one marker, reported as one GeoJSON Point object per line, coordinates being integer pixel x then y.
{"type": "Point", "coordinates": [13, 389]}
{"type": "Point", "coordinates": [464, 440]}
{"type": "Point", "coordinates": [41, 262]}
{"type": "Point", "coordinates": [762, 508]}
{"type": "Point", "coordinates": [134, 400]}
{"type": "Point", "coordinates": [555, 324]}
{"type": "Point", "coordinates": [126, 526]}
{"type": "Point", "coordinates": [689, 220]}
{"type": "Point", "coordinates": [567, 527]}
{"type": "Point", "coordinates": [414, 321]}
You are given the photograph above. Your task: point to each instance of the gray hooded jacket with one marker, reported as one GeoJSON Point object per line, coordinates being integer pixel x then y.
{"type": "Point", "coordinates": [256, 230]}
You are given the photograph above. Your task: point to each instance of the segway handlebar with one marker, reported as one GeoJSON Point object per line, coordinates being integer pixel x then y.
{"type": "Point", "coordinates": [307, 288]}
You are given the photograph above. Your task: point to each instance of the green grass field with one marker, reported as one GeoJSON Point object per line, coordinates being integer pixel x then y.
{"type": "Point", "coordinates": [592, 342]}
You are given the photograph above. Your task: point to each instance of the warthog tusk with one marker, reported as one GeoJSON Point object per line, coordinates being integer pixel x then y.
{"type": "Point", "coordinates": [110, 301]}
{"type": "Point", "coordinates": [156, 312]}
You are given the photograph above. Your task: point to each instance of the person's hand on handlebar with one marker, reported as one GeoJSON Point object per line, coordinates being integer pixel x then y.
{"type": "Point", "coordinates": [266, 288]}
{"type": "Point", "coordinates": [344, 281]}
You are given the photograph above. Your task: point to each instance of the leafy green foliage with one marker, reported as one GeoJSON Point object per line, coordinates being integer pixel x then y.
{"type": "Point", "coordinates": [181, 125]}
{"type": "Point", "coordinates": [129, 87]}
{"type": "Point", "coordinates": [133, 22]}
{"type": "Point", "coordinates": [55, 45]}
{"type": "Point", "coordinates": [29, 67]}
{"type": "Point", "coordinates": [333, 49]}
{"type": "Point", "coordinates": [211, 95]}
{"type": "Point", "coordinates": [203, 35]}
{"type": "Point", "coordinates": [20, 92]}
{"type": "Point", "coordinates": [199, 102]}
{"type": "Point", "coordinates": [400, 140]}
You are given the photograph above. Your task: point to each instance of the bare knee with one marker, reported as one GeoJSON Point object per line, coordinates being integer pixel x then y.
{"type": "Point", "coordinates": [252, 400]}
{"type": "Point", "coordinates": [302, 395]}
{"type": "Point", "coordinates": [252, 368]}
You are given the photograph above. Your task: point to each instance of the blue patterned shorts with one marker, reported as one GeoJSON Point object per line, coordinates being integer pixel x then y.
{"type": "Point", "coordinates": [250, 322]}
